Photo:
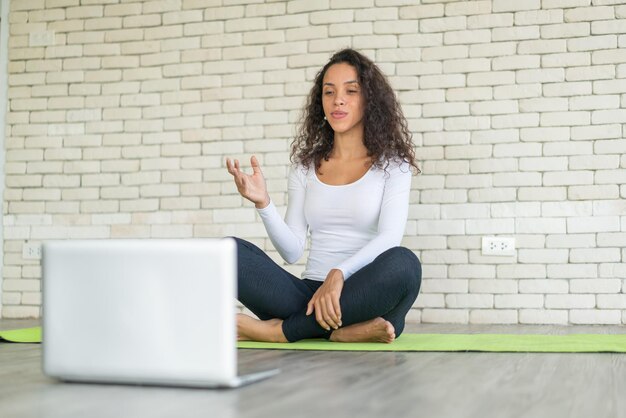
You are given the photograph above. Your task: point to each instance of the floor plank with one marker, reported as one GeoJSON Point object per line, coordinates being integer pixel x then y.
{"type": "Point", "coordinates": [363, 384]}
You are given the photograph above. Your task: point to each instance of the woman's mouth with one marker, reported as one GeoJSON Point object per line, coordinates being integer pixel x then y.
{"type": "Point", "coordinates": [339, 115]}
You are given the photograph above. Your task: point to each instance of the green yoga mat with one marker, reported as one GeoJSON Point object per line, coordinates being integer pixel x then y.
{"type": "Point", "coordinates": [573, 343]}
{"type": "Point", "coordinates": [24, 335]}
{"type": "Point", "coordinates": [529, 343]}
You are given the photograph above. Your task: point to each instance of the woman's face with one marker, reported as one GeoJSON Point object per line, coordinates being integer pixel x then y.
{"type": "Point", "coordinates": [341, 98]}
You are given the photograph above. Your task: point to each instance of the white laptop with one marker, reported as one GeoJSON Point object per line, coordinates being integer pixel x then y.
{"type": "Point", "coordinates": [142, 312]}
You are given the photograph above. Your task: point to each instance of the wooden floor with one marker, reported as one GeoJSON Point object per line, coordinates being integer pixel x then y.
{"type": "Point", "coordinates": [350, 384]}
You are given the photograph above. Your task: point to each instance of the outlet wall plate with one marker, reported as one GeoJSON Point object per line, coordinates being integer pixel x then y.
{"type": "Point", "coordinates": [500, 246]}
{"type": "Point", "coordinates": [31, 251]}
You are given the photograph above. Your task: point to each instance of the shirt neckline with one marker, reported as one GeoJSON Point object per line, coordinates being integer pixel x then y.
{"type": "Point", "coordinates": [343, 185]}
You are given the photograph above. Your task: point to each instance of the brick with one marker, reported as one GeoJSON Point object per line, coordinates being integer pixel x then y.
{"type": "Point", "coordinates": [609, 207]}
{"type": "Point", "coordinates": [595, 286]}
{"type": "Point", "coordinates": [517, 209]}
{"type": "Point", "coordinates": [491, 226]}
{"type": "Point", "coordinates": [567, 59]}
{"type": "Point", "coordinates": [567, 178]}
{"type": "Point", "coordinates": [596, 162]}
{"type": "Point", "coordinates": [473, 8]}
{"type": "Point", "coordinates": [442, 24]}
{"type": "Point", "coordinates": [566, 209]}
{"type": "Point", "coordinates": [466, 65]}
{"type": "Point", "coordinates": [446, 316]}
{"type": "Point", "coordinates": [609, 86]}
{"type": "Point", "coordinates": [429, 300]}
{"type": "Point", "coordinates": [518, 301]}
{"type": "Point", "coordinates": [570, 271]}
{"type": "Point", "coordinates": [476, 36]}
{"type": "Point", "coordinates": [518, 120]}
{"type": "Point", "coordinates": [543, 316]}
{"type": "Point", "coordinates": [568, 30]}
{"type": "Point", "coordinates": [588, 13]}
{"type": "Point", "coordinates": [515, 33]}
{"type": "Point", "coordinates": [596, 72]}
{"type": "Point", "coordinates": [493, 316]}
{"type": "Point", "coordinates": [544, 46]}
{"type": "Point", "coordinates": [593, 224]}
{"type": "Point", "coordinates": [595, 255]}
{"type": "Point", "coordinates": [549, 4]}
{"type": "Point", "coordinates": [617, 26]}
{"type": "Point", "coordinates": [590, 316]}
{"type": "Point", "coordinates": [565, 118]}
{"type": "Point", "coordinates": [469, 301]}
{"type": "Point", "coordinates": [490, 78]}
{"type": "Point", "coordinates": [490, 20]}
{"type": "Point", "coordinates": [493, 49]}
{"type": "Point", "coordinates": [444, 109]}
{"type": "Point", "coordinates": [570, 301]}
{"type": "Point", "coordinates": [611, 301]}
{"type": "Point", "coordinates": [609, 56]}
{"type": "Point", "coordinates": [543, 286]}
{"type": "Point", "coordinates": [542, 75]}
{"type": "Point", "coordinates": [469, 93]}
{"type": "Point", "coordinates": [593, 192]}
{"type": "Point", "coordinates": [516, 179]}
{"type": "Point", "coordinates": [547, 255]}
{"type": "Point", "coordinates": [516, 62]}
{"type": "Point", "coordinates": [538, 17]}
{"type": "Point", "coordinates": [494, 107]}
{"type": "Point", "coordinates": [500, 194]}
{"type": "Point", "coordinates": [540, 225]}
{"type": "Point", "coordinates": [498, 286]}
{"type": "Point", "coordinates": [548, 134]}
{"type": "Point", "coordinates": [517, 91]}
{"type": "Point", "coordinates": [592, 43]}
{"type": "Point", "coordinates": [441, 81]}
{"type": "Point", "coordinates": [421, 11]}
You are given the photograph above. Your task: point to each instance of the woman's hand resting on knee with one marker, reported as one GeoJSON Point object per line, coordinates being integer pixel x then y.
{"type": "Point", "coordinates": [252, 187]}
{"type": "Point", "coordinates": [325, 301]}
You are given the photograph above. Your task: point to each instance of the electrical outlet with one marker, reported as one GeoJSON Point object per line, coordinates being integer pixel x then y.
{"type": "Point", "coordinates": [498, 246]}
{"type": "Point", "coordinates": [31, 251]}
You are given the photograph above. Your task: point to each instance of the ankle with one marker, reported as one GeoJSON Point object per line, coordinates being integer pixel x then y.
{"type": "Point", "coordinates": [279, 335]}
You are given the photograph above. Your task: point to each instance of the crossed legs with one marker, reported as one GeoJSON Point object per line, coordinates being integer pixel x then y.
{"type": "Point", "coordinates": [374, 301]}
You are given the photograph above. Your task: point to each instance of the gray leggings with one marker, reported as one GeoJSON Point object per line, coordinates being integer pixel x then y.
{"type": "Point", "coordinates": [387, 288]}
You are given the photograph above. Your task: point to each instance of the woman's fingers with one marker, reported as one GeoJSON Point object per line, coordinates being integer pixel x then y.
{"type": "Point", "coordinates": [329, 312]}
{"type": "Point", "coordinates": [337, 310]}
{"type": "Point", "coordinates": [256, 167]}
{"type": "Point", "coordinates": [315, 306]}
{"type": "Point", "coordinates": [320, 318]}
{"type": "Point", "coordinates": [229, 166]}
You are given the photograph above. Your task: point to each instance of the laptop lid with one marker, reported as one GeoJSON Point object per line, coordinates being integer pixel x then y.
{"type": "Point", "coordinates": [140, 311]}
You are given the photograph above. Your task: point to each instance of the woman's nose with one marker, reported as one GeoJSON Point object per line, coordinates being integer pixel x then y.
{"type": "Point", "coordinates": [339, 99]}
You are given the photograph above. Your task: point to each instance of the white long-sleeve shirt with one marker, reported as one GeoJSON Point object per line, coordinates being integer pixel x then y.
{"type": "Point", "coordinates": [350, 225]}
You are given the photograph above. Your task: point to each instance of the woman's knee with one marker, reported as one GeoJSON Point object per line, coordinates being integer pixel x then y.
{"type": "Point", "coordinates": [407, 266]}
{"type": "Point", "coordinates": [245, 248]}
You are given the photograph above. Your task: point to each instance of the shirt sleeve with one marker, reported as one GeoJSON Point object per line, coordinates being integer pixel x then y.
{"type": "Point", "coordinates": [391, 222]}
{"type": "Point", "coordinates": [288, 235]}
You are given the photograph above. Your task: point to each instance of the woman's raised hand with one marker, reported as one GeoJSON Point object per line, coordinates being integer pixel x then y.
{"type": "Point", "coordinates": [252, 187]}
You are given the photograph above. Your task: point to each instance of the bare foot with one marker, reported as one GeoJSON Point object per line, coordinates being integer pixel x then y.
{"type": "Point", "coordinates": [250, 329]}
{"type": "Point", "coordinates": [375, 330]}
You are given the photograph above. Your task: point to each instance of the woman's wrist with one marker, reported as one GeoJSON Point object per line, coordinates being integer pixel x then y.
{"type": "Point", "coordinates": [262, 205]}
{"type": "Point", "coordinates": [335, 274]}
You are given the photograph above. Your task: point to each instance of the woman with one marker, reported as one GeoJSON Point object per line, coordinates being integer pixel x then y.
{"type": "Point", "coordinates": [349, 188]}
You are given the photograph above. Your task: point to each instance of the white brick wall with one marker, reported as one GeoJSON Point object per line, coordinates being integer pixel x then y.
{"type": "Point", "coordinates": [120, 129]}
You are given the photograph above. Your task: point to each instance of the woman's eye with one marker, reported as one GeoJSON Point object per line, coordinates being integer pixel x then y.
{"type": "Point", "coordinates": [328, 93]}
{"type": "Point", "coordinates": [352, 91]}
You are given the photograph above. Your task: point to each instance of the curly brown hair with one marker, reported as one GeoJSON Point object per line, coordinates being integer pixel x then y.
{"type": "Point", "coordinates": [386, 134]}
